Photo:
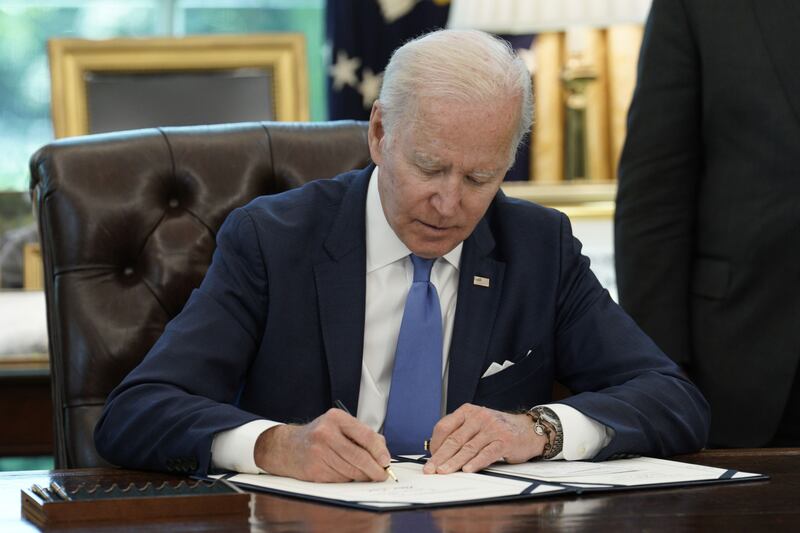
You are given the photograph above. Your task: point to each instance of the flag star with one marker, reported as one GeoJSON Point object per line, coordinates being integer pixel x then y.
{"type": "Point", "coordinates": [369, 87]}
{"type": "Point", "coordinates": [395, 9]}
{"type": "Point", "coordinates": [343, 71]}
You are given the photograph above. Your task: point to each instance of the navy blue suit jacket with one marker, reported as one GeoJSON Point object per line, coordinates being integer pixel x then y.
{"type": "Point", "coordinates": [276, 331]}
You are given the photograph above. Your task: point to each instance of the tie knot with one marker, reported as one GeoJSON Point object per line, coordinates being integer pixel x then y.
{"type": "Point", "coordinates": [422, 268]}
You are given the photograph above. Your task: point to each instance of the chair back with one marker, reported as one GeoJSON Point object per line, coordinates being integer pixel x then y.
{"type": "Point", "coordinates": [127, 224]}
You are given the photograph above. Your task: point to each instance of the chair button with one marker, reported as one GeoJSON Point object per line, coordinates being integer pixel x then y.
{"type": "Point", "coordinates": [173, 203]}
{"type": "Point", "coordinates": [127, 271]}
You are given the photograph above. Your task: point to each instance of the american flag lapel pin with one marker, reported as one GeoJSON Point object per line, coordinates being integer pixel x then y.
{"type": "Point", "coordinates": [480, 281]}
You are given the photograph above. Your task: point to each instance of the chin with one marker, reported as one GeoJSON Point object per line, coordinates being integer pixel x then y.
{"type": "Point", "coordinates": [430, 250]}
{"type": "Point", "coordinates": [427, 254]}
{"type": "Point", "coordinates": [430, 247]}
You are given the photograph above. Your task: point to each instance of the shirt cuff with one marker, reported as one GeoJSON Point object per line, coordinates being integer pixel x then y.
{"type": "Point", "coordinates": [583, 437]}
{"type": "Point", "coordinates": [234, 449]}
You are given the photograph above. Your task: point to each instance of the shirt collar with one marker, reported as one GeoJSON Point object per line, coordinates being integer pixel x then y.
{"type": "Point", "coordinates": [383, 245]}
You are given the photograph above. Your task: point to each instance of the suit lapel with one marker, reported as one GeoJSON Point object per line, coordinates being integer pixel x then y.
{"type": "Point", "coordinates": [475, 315]}
{"type": "Point", "coordinates": [779, 27]}
{"type": "Point", "coordinates": [341, 291]}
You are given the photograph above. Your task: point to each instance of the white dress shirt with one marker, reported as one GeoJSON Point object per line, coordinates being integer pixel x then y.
{"type": "Point", "coordinates": [389, 277]}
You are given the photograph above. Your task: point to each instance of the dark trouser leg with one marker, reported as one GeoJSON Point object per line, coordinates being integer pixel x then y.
{"type": "Point", "coordinates": [788, 433]}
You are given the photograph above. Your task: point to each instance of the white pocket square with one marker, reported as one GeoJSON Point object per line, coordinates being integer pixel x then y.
{"type": "Point", "coordinates": [494, 368]}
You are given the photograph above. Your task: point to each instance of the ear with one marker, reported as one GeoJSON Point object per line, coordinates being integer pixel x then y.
{"type": "Point", "coordinates": [376, 133]}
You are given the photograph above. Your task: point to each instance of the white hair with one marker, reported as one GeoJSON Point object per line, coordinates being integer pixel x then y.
{"type": "Point", "coordinates": [463, 65]}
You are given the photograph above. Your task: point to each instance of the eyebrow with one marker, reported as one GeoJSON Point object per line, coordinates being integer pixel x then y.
{"type": "Point", "coordinates": [484, 174]}
{"type": "Point", "coordinates": [427, 160]}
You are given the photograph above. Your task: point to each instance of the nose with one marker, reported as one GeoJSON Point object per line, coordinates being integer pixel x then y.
{"type": "Point", "coordinates": [447, 198]}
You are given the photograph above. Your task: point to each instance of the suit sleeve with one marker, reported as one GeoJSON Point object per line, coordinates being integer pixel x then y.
{"type": "Point", "coordinates": [619, 377]}
{"type": "Point", "coordinates": [165, 413]}
{"type": "Point", "coordinates": [658, 176]}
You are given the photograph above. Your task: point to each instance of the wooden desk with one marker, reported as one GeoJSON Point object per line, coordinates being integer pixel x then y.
{"type": "Point", "coordinates": [755, 506]}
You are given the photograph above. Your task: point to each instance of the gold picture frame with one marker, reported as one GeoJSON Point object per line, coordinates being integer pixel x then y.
{"type": "Point", "coordinates": [590, 198]}
{"type": "Point", "coordinates": [611, 55]}
{"type": "Point", "coordinates": [72, 61]}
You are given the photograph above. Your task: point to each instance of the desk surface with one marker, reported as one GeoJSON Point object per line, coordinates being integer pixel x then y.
{"type": "Point", "coordinates": [754, 506]}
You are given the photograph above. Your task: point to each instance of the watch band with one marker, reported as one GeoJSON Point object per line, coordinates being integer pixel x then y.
{"type": "Point", "coordinates": [547, 423]}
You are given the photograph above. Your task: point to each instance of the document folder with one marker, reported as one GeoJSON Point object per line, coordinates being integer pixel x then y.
{"type": "Point", "coordinates": [500, 482]}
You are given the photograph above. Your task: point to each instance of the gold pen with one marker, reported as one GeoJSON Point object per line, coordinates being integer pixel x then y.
{"type": "Point", "coordinates": [56, 487]}
{"type": "Point", "coordinates": [40, 492]}
{"type": "Point", "coordinates": [339, 404]}
{"type": "Point", "coordinates": [388, 469]}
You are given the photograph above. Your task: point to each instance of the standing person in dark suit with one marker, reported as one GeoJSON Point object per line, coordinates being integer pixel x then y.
{"type": "Point", "coordinates": [414, 294]}
{"type": "Point", "coordinates": [708, 209]}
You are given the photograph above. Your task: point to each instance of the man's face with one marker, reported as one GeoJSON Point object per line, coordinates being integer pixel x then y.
{"type": "Point", "coordinates": [441, 169]}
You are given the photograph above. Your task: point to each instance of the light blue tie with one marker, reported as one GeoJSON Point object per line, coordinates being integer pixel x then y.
{"type": "Point", "coordinates": [416, 393]}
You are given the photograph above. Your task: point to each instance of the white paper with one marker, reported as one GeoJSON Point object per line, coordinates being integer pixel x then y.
{"type": "Point", "coordinates": [412, 487]}
{"type": "Point", "coordinates": [639, 471]}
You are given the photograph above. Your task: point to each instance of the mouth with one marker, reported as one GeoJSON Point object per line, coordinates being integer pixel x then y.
{"type": "Point", "coordinates": [434, 228]}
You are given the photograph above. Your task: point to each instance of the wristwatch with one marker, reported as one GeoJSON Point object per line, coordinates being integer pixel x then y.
{"type": "Point", "coordinates": [546, 423]}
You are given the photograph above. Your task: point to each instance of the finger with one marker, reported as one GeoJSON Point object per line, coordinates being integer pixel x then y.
{"type": "Point", "coordinates": [345, 469]}
{"type": "Point", "coordinates": [363, 435]}
{"type": "Point", "coordinates": [323, 472]}
{"type": "Point", "coordinates": [321, 464]}
{"type": "Point", "coordinates": [491, 453]}
{"type": "Point", "coordinates": [360, 459]}
{"type": "Point", "coordinates": [373, 443]}
{"type": "Point", "coordinates": [447, 425]}
{"type": "Point", "coordinates": [441, 432]}
{"type": "Point", "coordinates": [459, 443]}
{"type": "Point", "coordinates": [472, 446]}
{"type": "Point", "coordinates": [358, 445]}
{"type": "Point", "coordinates": [323, 447]}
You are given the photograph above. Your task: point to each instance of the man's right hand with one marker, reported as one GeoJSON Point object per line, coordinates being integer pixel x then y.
{"type": "Point", "coordinates": [333, 448]}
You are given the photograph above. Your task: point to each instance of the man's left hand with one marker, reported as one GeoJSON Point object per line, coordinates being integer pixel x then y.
{"type": "Point", "coordinates": [472, 437]}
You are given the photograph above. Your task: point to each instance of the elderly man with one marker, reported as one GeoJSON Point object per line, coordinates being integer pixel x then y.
{"type": "Point", "coordinates": [412, 293]}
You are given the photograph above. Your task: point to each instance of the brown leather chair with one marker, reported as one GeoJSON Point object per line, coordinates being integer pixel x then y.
{"type": "Point", "coordinates": [127, 223]}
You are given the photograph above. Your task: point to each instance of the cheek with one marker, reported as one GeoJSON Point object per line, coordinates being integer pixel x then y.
{"type": "Point", "coordinates": [401, 210]}
{"type": "Point", "coordinates": [476, 206]}
{"type": "Point", "coordinates": [412, 197]}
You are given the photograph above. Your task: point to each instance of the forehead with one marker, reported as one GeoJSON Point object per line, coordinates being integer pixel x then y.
{"type": "Point", "coordinates": [466, 134]}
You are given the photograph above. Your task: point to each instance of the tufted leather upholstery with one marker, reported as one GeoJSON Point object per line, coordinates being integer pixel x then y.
{"type": "Point", "coordinates": [127, 223]}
